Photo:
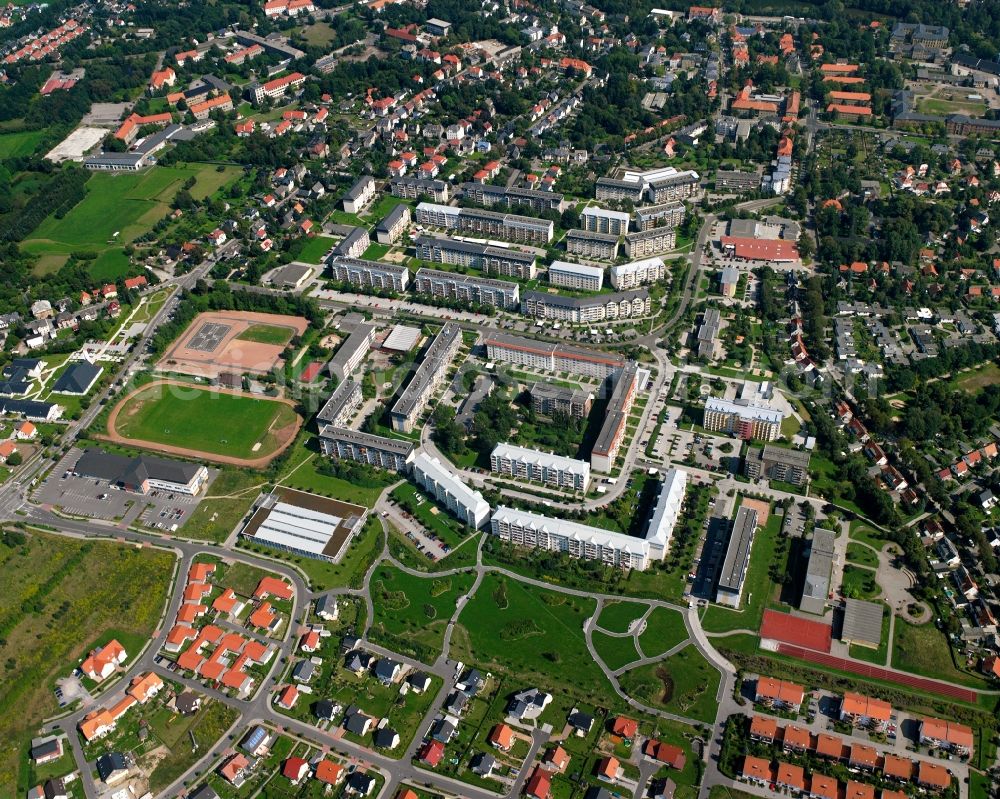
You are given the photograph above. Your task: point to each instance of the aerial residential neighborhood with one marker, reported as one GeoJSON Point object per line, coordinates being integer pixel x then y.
{"type": "Point", "coordinates": [433, 399]}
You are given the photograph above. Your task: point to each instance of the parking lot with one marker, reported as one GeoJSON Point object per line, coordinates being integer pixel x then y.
{"type": "Point", "coordinates": [96, 499]}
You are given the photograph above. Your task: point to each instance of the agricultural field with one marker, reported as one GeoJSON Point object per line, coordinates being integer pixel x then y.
{"type": "Point", "coordinates": [415, 610]}
{"type": "Point", "coordinates": [525, 631]}
{"type": "Point", "coordinates": [63, 597]}
{"type": "Point", "coordinates": [195, 419]}
{"type": "Point", "coordinates": [117, 210]}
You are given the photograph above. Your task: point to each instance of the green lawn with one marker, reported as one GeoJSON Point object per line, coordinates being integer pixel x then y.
{"type": "Point", "coordinates": [861, 555]}
{"type": "Point", "coordinates": [61, 597]}
{"type": "Point", "coordinates": [617, 616]}
{"type": "Point", "coordinates": [528, 632]}
{"type": "Point", "coordinates": [430, 515]}
{"type": "Point", "coordinates": [376, 251]}
{"type": "Point", "coordinates": [757, 586]}
{"type": "Point", "coordinates": [859, 583]}
{"type": "Point", "coordinates": [229, 497]}
{"type": "Point", "coordinates": [685, 684]}
{"type": "Point", "coordinates": [615, 652]}
{"type": "Point", "coordinates": [267, 334]}
{"type": "Point", "coordinates": [974, 381]}
{"type": "Point", "coordinates": [304, 473]}
{"type": "Point", "coordinates": [862, 532]}
{"type": "Point", "coordinates": [315, 248]}
{"type": "Point", "coordinates": [208, 421]}
{"type": "Point", "coordinates": [923, 649]}
{"type": "Point", "coordinates": [415, 610]}
{"type": "Point", "coordinates": [664, 630]}
{"type": "Point", "coordinates": [117, 209]}
{"type": "Point", "coordinates": [13, 145]}
{"type": "Point", "coordinates": [206, 726]}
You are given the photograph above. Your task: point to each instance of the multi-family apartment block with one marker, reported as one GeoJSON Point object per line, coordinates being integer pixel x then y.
{"type": "Point", "coordinates": [576, 276]}
{"type": "Point", "coordinates": [592, 245]}
{"type": "Point", "coordinates": [341, 405]}
{"type": "Point", "coordinates": [381, 452]}
{"type": "Point", "coordinates": [777, 463]}
{"type": "Point", "coordinates": [413, 188]}
{"type": "Point", "coordinates": [668, 215]}
{"type": "Point", "coordinates": [650, 242]}
{"type": "Point", "coordinates": [549, 399]}
{"type": "Point", "coordinates": [637, 273]}
{"type": "Point", "coordinates": [744, 418]}
{"type": "Point", "coordinates": [486, 223]}
{"type": "Point", "coordinates": [543, 467]}
{"type": "Point", "coordinates": [552, 357]}
{"type": "Point", "coordinates": [580, 310]}
{"type": "Point", "coordinates": [352, 352]}
{"type": "Point", "coordinates": [354, 244]}
{"type": "Point", "coordinates": [488, 195]}
{"type": "Point", "coordinates": [369, 274]}
{"type": "Point", "coordinates": [445, 486]}
{"type": "Point", "coordinates": [467, 288]}
{"type": "Point", "coordinates": [612, 433]}
{"type": "Point", "coordinates": [428, 377]}
{"type": "Point", "coordinates": [393, 225]}
{"type": "Point", "coordinates": [602, 220]}
{"type": "Point", "coordinates": [492, 260]}
{"type": "Point", "coordinates": [360, 195]}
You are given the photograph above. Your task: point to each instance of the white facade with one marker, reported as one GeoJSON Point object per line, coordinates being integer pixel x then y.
{"type": "Point", "coordinates": [602, 220]}
{"type": "Point", "coordinates": [576, 276]}
{"type": "Point", "coordinates": [532, 464]}
{"type": "Point", "coordinates": [446, 488]}
{"type": "Point", "coordinates": [637, 273]}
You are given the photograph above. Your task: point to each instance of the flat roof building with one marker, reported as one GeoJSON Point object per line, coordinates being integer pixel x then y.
{"type": "Point", "coordinates": [737, 560]}
{"type": "Point", "coordinates": [381, 452]}
{"type": "Point", "coordinates": [467, 288]}
{"type": "Point", "coordinates": [543, 467]}
{"type": "Point", "coordinates": [667, 215]}
{"type": "Point", "coordinates": [777, 463]}
{"type": "Point", "coordinates": [744, 419]}
{"type": "Point", "coordinates": [450, 491]}
{"type": "Point", "coordinates": [352, 352]}
{"type": "Point", "coordinates": [592, 245]}
{"type": "Point", "coordinates": [552, 357]}
{"type": "Point", "coordinates": [490, 258]}
{"type": "Point", "coordinates": [549, 399]}
{"type": "Point", "coordinates": [816, 589]}
{"type": "Point", "coordinates": [427, 378]}
{"type": "Point", "coordinates": [143, 473]}
{"type": "Point", "coordinates": [862, 623]}
{"type": "Point", "coordinates": [576, 276]}
{"type": "Point", "coordinates": [637, 273]}
{"type": "Point", "coordinates": [369, 274]}
{"type": "Point", "coordinates": [603, 220]}
{"type": "Point", "coordinates": [595, 308]}
{"type": "Point", "coordinates": [305, 524]}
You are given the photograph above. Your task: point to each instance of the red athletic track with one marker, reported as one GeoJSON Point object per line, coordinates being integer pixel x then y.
{"type": "Point", "coordinates": [795, 630]}
{"type": "Point", "coordinates": [922, 683]}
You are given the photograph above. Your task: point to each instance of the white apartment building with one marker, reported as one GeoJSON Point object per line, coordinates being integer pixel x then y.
{"type": "Point", "coordinates": [602, 220]}
{"type": "Point", "coordinates": [370, 274]}
{"type": "Point", "coordinates": [576, 276]}
{"type": "Point", "coordinates": [542, 356]}
{"type": "Point", "coordinates": [446, 488]}
{"type": "Point", "coordinates": [637, 273]}
{"type": "Point", "coordinates": [532, 464]}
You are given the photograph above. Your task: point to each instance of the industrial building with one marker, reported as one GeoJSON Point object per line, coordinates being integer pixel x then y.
{"type": "Point", "coordinates": [446, 488]}
{"type": "Point", "coordinates": [427, 378]}
{"type": "Point", "coordinates": [543, 467]}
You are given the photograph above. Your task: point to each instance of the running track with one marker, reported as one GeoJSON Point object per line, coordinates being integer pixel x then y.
{"type": "Point", "coordinates": [942, 689]}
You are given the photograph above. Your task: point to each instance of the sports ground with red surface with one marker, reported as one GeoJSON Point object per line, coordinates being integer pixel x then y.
{"type": "Point", "coordinates": [797, 631]}
{"type": "Point", "coordinates": [942, 689]}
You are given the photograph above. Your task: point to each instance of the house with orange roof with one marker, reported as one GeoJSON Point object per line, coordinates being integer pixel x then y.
{"type": "Point", "coordinates": [102, 662]}
{"type": "Point", "coordinates": [25, 431]}
{"type": "Point", "coordinates": [539, 785]}
{"type": "Point", "coordinates": [931, 775]}
{"type": "Point", "coordinates": [178, 635]}
{"type": "Point", "coordinates": [162, 77]}
{"type": "Point", "coordinates": [228, 603]}
{"type": "Point", "coordinates": [898, 768]}
{"type": "Point", "coordinates": [839, 69]}
{"type": "Point", "coordinates": [756, 770]}
{"type": "Point", "coordinates": [763, 728]}
{"type": "Point", "coordinates": [193, 592]}
{"type": "Point", "coordinates": [863, 711]}
{"type": "Point", "coordinates": [235, 770]}
{"type": "Point", "coordinates": [330, 773]}
{"type": "Point", "coordinates": [672, 755]}
{"type": "Point", "coordinates": [991, 666]}
{"type": "Point", "coordinates": [842, 111]}
{"type": "Point", "coordinates": [190, 611]}
{"type": "Point", "coordinates": [792, 778]}
{"type": "Point", "coordinates": [624, 727]}
{"type": "Point", "coordinates": [823, 787]}
{"type": "Point", "coordinates": [295, 770]}
{"type": "Point", "coordinates": [288, 697]}
{"type": "Point", "coordinates": [501, 737]}
{"type": "Point", "coordinates": [947, 735]}
{"type": "Point", "coordinates": [557, 758]}
{"type": "Point", "coordinates": [272, 586]}
{"type": "Point", "coordinates": [310, 641]}
{"type": "Point", "coordinates": [831, 746]}
{"type": "Point", "coordinates": [779, 693]}
{"type": "Point", "coordinates": [796, 739]}
{"type": "Point", "coordinates": [145, 687]}
{"type": "Point", "coordinates": [265, 618]}
{"type": "Point", "coordinates": [608, 769]}
{"type": "Point", "coordinates": [858, 790]}
{"type": "Point", "coordinates": [863, 757]}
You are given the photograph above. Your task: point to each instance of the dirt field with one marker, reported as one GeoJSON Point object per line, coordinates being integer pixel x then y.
{"type": "Point", "coordinates": [282, 436]}
{"type": "Point", "coordinates": [763, 509]}
{"type": "Point", "coordinates": [211, 345]}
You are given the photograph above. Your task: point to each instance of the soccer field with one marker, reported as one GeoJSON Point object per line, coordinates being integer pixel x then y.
{"type": "Point", "coordinates": [206, 421]}
{"type": "Point", "coordinates": [117, 210]}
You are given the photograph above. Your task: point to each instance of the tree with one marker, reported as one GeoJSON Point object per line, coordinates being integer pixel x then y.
{"type": "Point", "coordinates": [15, 459]}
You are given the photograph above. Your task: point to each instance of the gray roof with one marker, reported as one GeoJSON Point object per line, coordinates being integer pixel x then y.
{"type": "Point", "coordinates": [303, 671]}
{"type": "Point", "coordinates": [738, 552]}
{"type": "Point", "coordinates": [392, 218]}
{"type": "Point", "coordinates": [360, 186]}
{"type": "Point", "coordinates": [360, 339]}
{"type": "Point", "coordinates": [817, 582]}
{"type": "Point", "coordinates": [862, 622]}
{"type": "Point", "coordinates": [434, 360]}
{"type": "Point", "coordinates": [132, 471]}
{"type": "Point", "coordinates": [585, 302]}
{"type": "Point", "coordinates": [382, 443]}
{"type": "Point", "coordinates": [78, 378]}
{"type": "Point", "coordinates": [616, 413]}
{"type": "Point", "coordinates": [356, 723]}
{"type": "Point", "coordinates": [350, 240]}
{"type": "Point", "coordinates": [110, 762]}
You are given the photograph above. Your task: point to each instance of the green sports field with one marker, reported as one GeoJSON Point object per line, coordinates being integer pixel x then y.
{"type": "Point", "coordinates": [117, 210]}
{"type": "Point", "coordinates": [206, 421]}
{"type": "Point", "coordinates": [266, 334]}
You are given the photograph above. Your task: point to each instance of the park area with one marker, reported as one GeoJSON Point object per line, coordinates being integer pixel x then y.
{"type": "Point", "coordinates": [117, 209]}
{"type": "Point", "coordinates": [64, 596]}
{"type": "Point", "coordinates": [214, 424]}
